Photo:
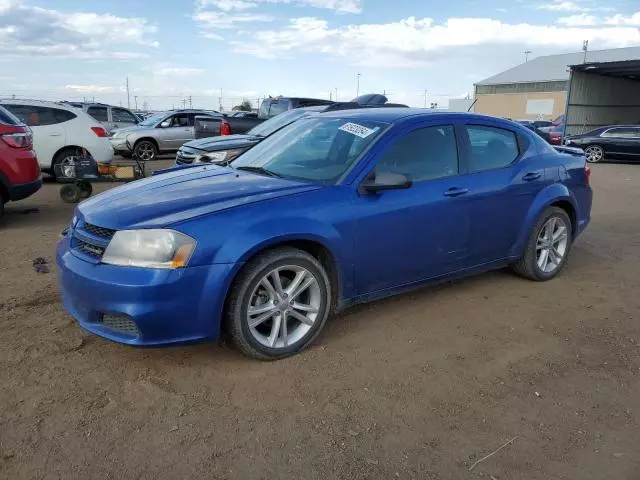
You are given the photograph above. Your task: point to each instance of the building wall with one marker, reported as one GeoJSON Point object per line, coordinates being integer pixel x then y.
{"type": "Point", "coordinates": [514, 105]}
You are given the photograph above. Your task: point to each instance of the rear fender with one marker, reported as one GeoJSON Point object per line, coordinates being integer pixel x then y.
{"type": "Point", "coordinates": [553, 193]}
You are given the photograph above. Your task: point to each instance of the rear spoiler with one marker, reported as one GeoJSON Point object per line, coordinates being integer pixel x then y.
{"type": "Point", "coordinates": [578, 152]}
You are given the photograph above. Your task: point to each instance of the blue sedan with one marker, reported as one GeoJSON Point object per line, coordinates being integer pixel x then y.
{"type": "Point", "coordinates": [333, 210]}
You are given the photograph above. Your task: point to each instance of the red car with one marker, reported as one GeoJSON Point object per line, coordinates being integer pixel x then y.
{"type": "Point", "coordinates": [19, 169]}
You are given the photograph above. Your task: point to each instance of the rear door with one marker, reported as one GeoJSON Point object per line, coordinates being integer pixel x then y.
{"type": "Point", "coordinates": [504, 175]}
{"type": "Point", "coordinates": [619, 140]}
{"type": "Point", "coordinates": [122, 118]}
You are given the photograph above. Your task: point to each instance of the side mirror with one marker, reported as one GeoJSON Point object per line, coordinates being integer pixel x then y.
{"type": "Point", "coordinates": [385, 181]}
{"type": "Point", "coordinates": [165, 124]}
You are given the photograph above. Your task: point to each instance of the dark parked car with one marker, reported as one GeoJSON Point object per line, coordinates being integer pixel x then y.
{"type": "Point", "coordinates": [333, 210]}
{"type": "Point", "coordinates": [615, 141]}
{"type": "Point", "coordinates": [243, 114]}
{"type": "Point", "coordinates": [270, 107]}
{"type": "Point", "coordinates": [225, 148]}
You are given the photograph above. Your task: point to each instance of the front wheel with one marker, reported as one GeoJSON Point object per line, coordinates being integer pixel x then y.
{"type": "Point", "coordinates": [594, 153]}
{"type": "Point", "coordinates": [278, 304]}
{"type": "Point", "coordinates": [145, 150]}
{"type": "Point", "coordinates": [548, 246]}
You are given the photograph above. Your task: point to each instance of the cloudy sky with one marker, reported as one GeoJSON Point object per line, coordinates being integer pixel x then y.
{"type": "Point", "coordinates": [70, 49]}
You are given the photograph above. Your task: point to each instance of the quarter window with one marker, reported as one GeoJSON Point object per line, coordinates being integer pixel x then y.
{"type": "Point", "coordinates": [491, 147]}
{"type": "Point", "coordinates": [423, 154]}
{"type": "Point", "coordinates": [99, 113]}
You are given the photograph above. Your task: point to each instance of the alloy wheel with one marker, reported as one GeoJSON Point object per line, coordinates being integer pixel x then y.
{"type": "Point", "coordinates": [145, 151]}
{"type": "Point", "coordinates": [551, 245]}
{"type": "Point", "coordinates": [283, 306]}
{"type": "Point", "coordinates": [594, 154]}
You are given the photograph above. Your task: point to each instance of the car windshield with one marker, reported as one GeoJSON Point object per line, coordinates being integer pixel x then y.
{"type": "Point", "coordinates": [152, 120]}
{"type": "Point", "coordinates": [316, 150]}
{"type": "Point", "coordinates": [274, 124]}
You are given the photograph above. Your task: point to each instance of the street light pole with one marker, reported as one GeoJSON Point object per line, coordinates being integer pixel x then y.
{"type": "Point", "coordinates": [526, 55]}
{"type": "Point", "coordinates": [358, 89]}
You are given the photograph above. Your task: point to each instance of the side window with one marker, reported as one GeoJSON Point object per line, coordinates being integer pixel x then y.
{"type": "Point", "coordinates": [180, 120]}
{"type": "Point", "coordinates": [40, 116]}
{"type": "Point", "coordinates": [423, 154]}
{"type": "Point", "coordinates": [620, 132]}
{"type": "Point", "coordinates": [99, 113]}
{"type": "Point", "coordinates": [122, 115]}
{"type": "Point", "coordinates": [491, 147]}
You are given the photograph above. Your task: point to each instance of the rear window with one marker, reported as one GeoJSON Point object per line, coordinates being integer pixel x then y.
{"type": "Point", "coordinates": [8, 118]}
{"type": "Point", "coordinates": [35, 116]}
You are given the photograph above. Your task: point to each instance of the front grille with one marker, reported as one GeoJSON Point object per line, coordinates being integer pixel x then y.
{"type": "Point", "coordinates": [99, 231]}
{"type": "Point", "coordinates": [91, 250]}
{"type": "Point", "coordinates": [120, 324]}
{"type": "Point", "coordinates": [185, 156]}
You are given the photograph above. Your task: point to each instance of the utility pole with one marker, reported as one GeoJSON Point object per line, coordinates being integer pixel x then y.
{"type": "Point", "coordinates": [336, 94]}
{"type": "Point", "coordinates": [526, 55]}
{"type": "Point", "coordinates": [585, 48]}
{"type": "Point", "coordinates": [425, 99]}
{"type": "Point", "coordinates": [135, 102]}
{"type": "Point", "coordinates": [128, 98]}
{"type": "Point", "coordinates": [358, 88]}
{"type": "Point", "coordinates": [190, 102]}
{"type": "Point", "coordinates": [330, 95]}
{"type": "Point", "coordinates": [220, 101]}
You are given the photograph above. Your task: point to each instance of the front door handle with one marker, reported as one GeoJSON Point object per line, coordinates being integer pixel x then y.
{"type": "Point", "coordinates": [55, 134]}
{"type": "Point", "coordinates": [528, 177]}
{"type": "Point", "coordinates": [456, 192]}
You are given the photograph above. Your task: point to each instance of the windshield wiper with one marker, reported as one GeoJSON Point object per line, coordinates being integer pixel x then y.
{"type": "Point", "coordinates": [259, 171]}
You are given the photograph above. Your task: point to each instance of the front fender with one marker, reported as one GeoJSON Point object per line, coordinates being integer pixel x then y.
{"type": "Point", "coordinates": [556, 192]}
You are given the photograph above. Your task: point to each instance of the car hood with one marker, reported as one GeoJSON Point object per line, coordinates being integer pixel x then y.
{"type": "Point", "coordinates": [214, 144]}
{"type": "Point", "coordinates": [173, 197]}
{"type": "Point", "coordinates": [134, 128]}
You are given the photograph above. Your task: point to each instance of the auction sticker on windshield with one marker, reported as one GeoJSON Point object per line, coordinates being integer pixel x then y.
{"type": "Point", "coordinates": [358, 130]}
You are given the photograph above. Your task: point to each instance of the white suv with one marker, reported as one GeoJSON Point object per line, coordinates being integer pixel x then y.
{"type": "Point", "coordinates": [59, 131]}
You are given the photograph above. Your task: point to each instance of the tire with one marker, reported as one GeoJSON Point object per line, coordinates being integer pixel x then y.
{"type": "Point", "coordinates": [145, 150]}
{"type": "Point", "coordinates": [86, 189]}
{"type": "Point", "coordinates": [266, 339]}
{"type": "Point", "coordinates": [60, 159]}
{"type": "Point", "coordinates": [70, 193]}
{"type": "Point", "coordinates": [594, 153]}
{"type": "Point", "coordinates": [1, 205]}
{"type": "Point", "coordinates": [532, 264]}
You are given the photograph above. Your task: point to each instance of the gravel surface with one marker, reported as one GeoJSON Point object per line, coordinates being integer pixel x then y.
{"type": "Point", "coordinates": [418, 386]}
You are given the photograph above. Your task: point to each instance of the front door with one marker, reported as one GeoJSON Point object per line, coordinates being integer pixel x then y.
{"type": "Point", "coordinates": [503, 180]}
{"type": "Point", "coordinates": [405, 236]}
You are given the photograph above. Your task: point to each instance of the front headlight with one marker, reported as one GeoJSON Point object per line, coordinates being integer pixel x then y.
{"type": "Point", "coordinates": [149, 248]}
{"type": "Point", "coordinates": [218, 157]}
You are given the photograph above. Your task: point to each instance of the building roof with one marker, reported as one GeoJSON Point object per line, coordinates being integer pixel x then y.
{"type": "Point", "coordinates": [555, 67]}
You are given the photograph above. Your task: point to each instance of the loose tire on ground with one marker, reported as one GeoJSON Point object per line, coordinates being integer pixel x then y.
{"type": "Point", "coordinates": [86, 189]}
{"type": "Point", "coordinates": [248, 286]}
{"type": "Point", "coordinates": [528, 266]}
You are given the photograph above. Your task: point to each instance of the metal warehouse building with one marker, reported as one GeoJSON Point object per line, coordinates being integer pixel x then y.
{"type": "Point", "coordinates": [539, 88]}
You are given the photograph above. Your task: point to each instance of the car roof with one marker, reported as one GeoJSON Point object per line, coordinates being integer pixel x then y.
{"type": "Point", "coordinates": [39, 103]}
{"type": "Point", "coordinates": [391, 115]}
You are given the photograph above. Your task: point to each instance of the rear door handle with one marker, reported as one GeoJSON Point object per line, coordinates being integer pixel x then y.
{"type": "Point", "coordinates": [527, 177]}
{"type": "Point", "coordinates": [456, 192]}
{"type": "Point", "coordinates": [55, 134]}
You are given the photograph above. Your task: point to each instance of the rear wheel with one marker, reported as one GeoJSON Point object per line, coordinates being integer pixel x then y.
{"type": "Point", "coordinates": [594, 153]}
{"type": "Point", "coordinates": [145, 150]}
{"type": "Point", "coordinates": [278, 304]}
{"type": "Point", "coordinates": [548, 246]}
{"type": "Point", "coordinates": [63, 157]}
{"type": "Point", "coordinates": [1, 205]}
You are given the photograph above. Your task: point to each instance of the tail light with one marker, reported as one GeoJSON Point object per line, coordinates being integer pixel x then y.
{"type": "Point", "coordinates": [587, 174]}
{"type": "Point", "coordinates": [100, 132]}
{"type": "Point", "coordinates": [16, 136]}
{"type": "Point", "coordinates": [225, 128]}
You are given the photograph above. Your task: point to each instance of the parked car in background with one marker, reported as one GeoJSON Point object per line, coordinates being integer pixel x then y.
{"type": "Point", "coordinates": [60, 131]}
{"type": "Point", "coordinates": [225, 148]}
{"type": "Point", "coordinates": [242, 114]}
{"type": "Point", "coordinates": [161, 133]}
{"type": "Point", "coordinates": [615, 141]}
{"type": "Point", "coordinates": [270, 107]}
{"type": "Point", "coordinates": [109, 116]}
{"type": "Point", "coordinates": [555, 134]}
{"type": "Point", "coordinates": [19, 170]}
{"type": "Point", "coordinates": [335, 209]}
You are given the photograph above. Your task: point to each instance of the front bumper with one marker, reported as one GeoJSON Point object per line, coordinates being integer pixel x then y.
{"type": "Point", "coordinates": [166, 306]}
{"type": "Point", "coordinates": [119, 145]}
{"type": "Point", "coordinates": [23, 190]}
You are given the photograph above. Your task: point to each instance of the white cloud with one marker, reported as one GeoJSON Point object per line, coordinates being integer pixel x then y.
{"type": "Point", "coordinates": [573, 6]}
{"type": "Point", "coordinates": [227, 5]}
{"type": "Point", "coordinates": [28, 30]}
{"type": "Point", "coordinates": [177, 71]}
{"type": "Point", "coordinates": [632, 20]}
{"type": "Point", "coordinates": [584, 19]}
{"type": "Point", "coordinates": [581, 19]}
{"type": "Point", "coordinates": [418, 42]}
{"type": "Point", "coordinates": [92, 88]}
{"type": "Point", "coordinates": [213, 20]}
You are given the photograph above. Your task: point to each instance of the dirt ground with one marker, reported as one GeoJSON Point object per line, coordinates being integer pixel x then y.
{"type": "Point", "coordinates": [419, 386]}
